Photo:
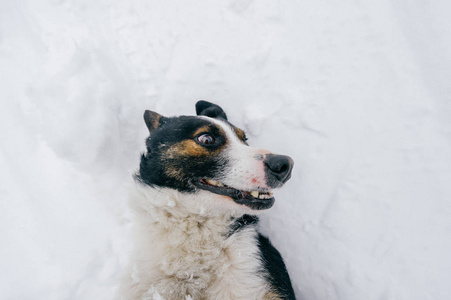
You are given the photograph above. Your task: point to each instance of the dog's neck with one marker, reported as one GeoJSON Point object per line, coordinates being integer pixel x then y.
{"type": "Point", "coordinates": [177, 241]}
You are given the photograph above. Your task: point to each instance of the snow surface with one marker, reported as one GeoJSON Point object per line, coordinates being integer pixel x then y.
{"type": "Point", "coordinates": [357, 92]}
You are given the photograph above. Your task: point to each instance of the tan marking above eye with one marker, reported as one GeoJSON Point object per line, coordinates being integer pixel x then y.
{"type": "Point", "coordinates": [203, 129]}
{"type": "Point", "coordinates": [240, 133]}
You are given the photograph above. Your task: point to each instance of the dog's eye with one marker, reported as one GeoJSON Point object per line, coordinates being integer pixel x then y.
{"type": "Point", "coordinates": [206, 139]}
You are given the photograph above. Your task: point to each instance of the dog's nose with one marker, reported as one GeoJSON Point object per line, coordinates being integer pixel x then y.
{"type": "Point", "coordinates": [279, 166]}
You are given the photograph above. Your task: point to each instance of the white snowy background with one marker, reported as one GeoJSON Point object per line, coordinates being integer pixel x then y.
{"type": "Point", "coordinates": [357, 92]}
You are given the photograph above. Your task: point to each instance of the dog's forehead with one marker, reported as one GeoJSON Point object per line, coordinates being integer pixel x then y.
{"type": "Point", "coordinates": [174, 129]}
{"type": "Point", "coordinates": [229, 129]}
{"type": "Point", "coordinates": [185, 125]}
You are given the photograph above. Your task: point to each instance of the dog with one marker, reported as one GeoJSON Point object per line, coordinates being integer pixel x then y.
{"type": "Point", "coordinates": [195, 203]}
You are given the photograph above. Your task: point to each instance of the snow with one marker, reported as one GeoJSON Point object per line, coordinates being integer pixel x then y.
{"type": "Point", "coordinates": [357, 92]}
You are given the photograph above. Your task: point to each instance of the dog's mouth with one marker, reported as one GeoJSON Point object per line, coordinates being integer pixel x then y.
{"type": "Point", "coordinates": [257, 200]}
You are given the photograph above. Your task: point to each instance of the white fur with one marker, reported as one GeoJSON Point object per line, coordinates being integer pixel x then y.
{"type": "Point", "coordinates": [182, 250]}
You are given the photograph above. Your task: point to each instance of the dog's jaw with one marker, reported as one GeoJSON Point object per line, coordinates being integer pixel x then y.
{"type": "Point", "coordinates": [255, 200]}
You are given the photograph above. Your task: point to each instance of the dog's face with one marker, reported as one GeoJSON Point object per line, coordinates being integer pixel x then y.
{"type": "Point", "coordinates": [207, 154]}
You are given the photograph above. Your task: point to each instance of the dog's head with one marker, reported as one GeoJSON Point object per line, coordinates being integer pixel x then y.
{"type": "Point", "coordinates": [206, 154]}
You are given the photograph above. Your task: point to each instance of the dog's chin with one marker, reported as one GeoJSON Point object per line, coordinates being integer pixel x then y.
{"type": "Point", "coordinates": [255, 200]}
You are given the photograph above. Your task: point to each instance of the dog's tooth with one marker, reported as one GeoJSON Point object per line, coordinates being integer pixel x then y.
{"type": "Point", "coordinates": [212, 182]}
{"type": "Point", "coordinates": [265, 195]}
{"type": "Point", "coordinates": [254, 194]}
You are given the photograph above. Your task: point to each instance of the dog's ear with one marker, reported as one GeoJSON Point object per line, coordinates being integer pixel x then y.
{"type": "Point", "coordinates": [152, 119]}
{"type": "Point", "coordinates": [205, 108]}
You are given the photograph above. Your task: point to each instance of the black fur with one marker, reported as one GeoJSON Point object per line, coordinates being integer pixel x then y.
{"type": "Point", "coordinates": [205, 108]}
{"type": "Point", "coordinates": [276, 271]}
{"type": "Point", "coordinates": [243, 222]}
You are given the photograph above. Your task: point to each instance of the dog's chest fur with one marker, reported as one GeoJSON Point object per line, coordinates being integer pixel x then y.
{"type": "Point", "coordinates": [183, 251]}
